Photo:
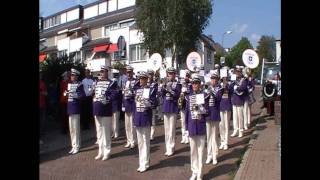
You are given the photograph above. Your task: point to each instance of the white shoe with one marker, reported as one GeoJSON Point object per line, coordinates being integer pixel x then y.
{"type": "Point", "coordinates": [221, 146]}
{"type": "Point", "coordinates": [105, 157]}
{"type": "Point", "coordinates": [127, 145]}
{"type": "Point", "coordinates": [170, 154]}
{"type": "Point", "coordinates": [166, 154]}
{"type": "Point", "coordinates": [143, 169]}
{"type": "Point", "coordinates": [234, 134]}
{"type": "Point", "coordinates": [75, 151]}
{"type": "Point", "coordinates": [132, 146]}
{"type": "Point", "coordinates": [245, 128]}
{"type": "Point", "coordinates": [208, 160]}
{"type": "Point", "coordinates": [139, 169]}
{"type": "Point", "coordinates": [186, 140]}
{"type": "Point", "coordinates": [98, 156]}
{"type": "Point", "coordinates": [199, 178]}
{"type": "Point", "coordinates": [193, 177]}
{"type": "Point", "coordinates": [71, 151]}
{"type": "Point", "coordinates": [214, 161]}
{"type": "Point", "coordinates": [96, 142]}
{"type": "Point", "coordinates": [225, 147]}
{"type": "Point", "coordinates": [183, 140]}
{"type": "Point", "coordinates": [240, 134]}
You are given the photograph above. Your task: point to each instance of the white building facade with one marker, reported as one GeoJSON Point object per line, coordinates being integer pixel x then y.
{"type": "Point", "coordinates": [102, 33]}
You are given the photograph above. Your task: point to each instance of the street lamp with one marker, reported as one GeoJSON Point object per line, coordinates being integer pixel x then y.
{"type": "Point", "coordinates": [227, 32]}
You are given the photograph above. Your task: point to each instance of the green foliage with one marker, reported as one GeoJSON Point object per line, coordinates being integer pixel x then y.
{"type": "Point", "coordinates": [52, 68]}
{"type": "Point", "coordinates": [266, 49]}
{"type": "Point", "coordinates": [172, 24]}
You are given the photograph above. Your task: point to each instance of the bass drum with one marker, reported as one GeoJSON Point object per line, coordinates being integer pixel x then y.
{"type": "Point", "coordinates": [269, 91]}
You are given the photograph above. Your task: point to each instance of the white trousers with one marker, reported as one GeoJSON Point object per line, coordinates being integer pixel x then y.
{"type": "Point", "coordinates": [104, 138]}
{"type": "Point", "coordinates": [74, 127]}
{"type": "Point", "coordinates": [196, 153]}
{"type": "Point", "coordinates": [115, 123]}
{"type": "Point", "coordinates": [170, 131]}
{"type": "Point", "coordinates": [130, 129]}
{"type": "Point", "coordinates": [153, 123]}
{"type": "Point", "coordinates": [224, 126]}
{"type": "Point", "coordinates": [212, 139]}
{"type": "Point", "coordinates": [184, 133]}
{"type": "Point", "coordinates": [143, 136]}
{"type": "Point", "coordinates": [237, 118]}
{"type": "Point", "coordinates": [246, 114]}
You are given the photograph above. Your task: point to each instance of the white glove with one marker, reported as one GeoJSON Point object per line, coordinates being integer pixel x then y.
{"type": "Point", "coordinates": [123, 109]}
{"type": "Point", "coordinates": [184, 89]}
{"type": "Point", "coordinates": [235, 87]}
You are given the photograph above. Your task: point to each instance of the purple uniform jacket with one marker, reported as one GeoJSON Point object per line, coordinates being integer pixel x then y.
{"type": "Point", "coordinates": [154, 85]}
{"type": "Point", "coordinates": [236, 99]}
{"type": "Point", "coordinates": [128, 94]}
{"type": "Point", "coordinates": [170, 95]}
{"type": "Point", "coordinates": [75, 93]}
{"type": "Point", "coordinates": [215, 94]}
{"type": "Point", "coordinates": [225, 103]}
{"type": "Point", "coordinates": [143, 110]}
{"type": "Point", "coordinates": [104, 95]}
{"type": "Point", "coordinates": [195, 126]}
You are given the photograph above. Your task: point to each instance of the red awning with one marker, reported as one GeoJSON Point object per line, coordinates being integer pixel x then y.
{"type": "Point", "coordinates": [42, 57]}
{"type": "Point", "coordinates": [112, 48]}
{"type": "Point", "coordinates": [100, 48]}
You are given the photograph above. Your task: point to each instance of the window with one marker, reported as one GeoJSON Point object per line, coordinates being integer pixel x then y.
{"type": "Point", "coordinates": [87, 54]}
{"type": "Point", "coordinates": [75, 56]}
{"type": "Point", "coordinates": [62, 53]}
{"type": "Point", "coordinates": [209, 60]}
{"type": "Point", "coordinates": [126, 24]}
{"type": "Point", "coordinates": [99, 55]}
{"type": "Point", "coordinates": [137, 53]}
{"type": "Point", "coordinates": [112, 5]}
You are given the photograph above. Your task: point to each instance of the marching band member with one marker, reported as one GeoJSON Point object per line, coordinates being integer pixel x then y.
{"type": "Point", "coordinates": [225, 113]}
{"type": "Point", "coordinates": [145, 99]}
{"type": "Point", "coordinates": [104, 93]}
{"type": "Point", "coordinates": [196, 112]}
{"type": "Point", "coordinates": [116, 106]}
{"type": "Point", "coordinates": [248, 93]}
{"type": "Point", "coordinates": [185, 90]}
{"type": "Point", "coordinates": [75, 92]}
{"type": "Point", "coordinates": [153, 84]}
{"type": "Point", "coordinates": [86, 107]}
{"type": "Point", "coordinates": [128, 102]}
{"type": "Point", "coordinates": [212, 123]}
{"type": "Point", "coordinates": [170, 92]}
{"type": "Point", "coordinates": [238, 86]}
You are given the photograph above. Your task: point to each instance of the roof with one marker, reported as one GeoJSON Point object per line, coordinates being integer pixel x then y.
{"type": "Point", "coordinates": [208, 41]}
{"type": "Point", "coordinates": [92, 43]}
{"type": "Point", "coordinates": [50, 49]}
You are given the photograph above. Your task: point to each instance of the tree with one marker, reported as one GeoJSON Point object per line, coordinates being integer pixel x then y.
{"type": "Point", "coordinates": [52, 68]}
{"type": "Point", "coordinates": [172, 24]}
{"type": "Point", "coordinates": [235, 55]}
{"type": "Point", "coordinates": [266, 49]}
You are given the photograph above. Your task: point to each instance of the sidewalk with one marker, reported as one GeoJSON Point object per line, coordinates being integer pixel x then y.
{"type": "Point", "coordinates": [262, 159]}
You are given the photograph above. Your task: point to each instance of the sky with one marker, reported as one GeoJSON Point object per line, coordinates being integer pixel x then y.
{"type": "Point", "coordinates": [245, 18]}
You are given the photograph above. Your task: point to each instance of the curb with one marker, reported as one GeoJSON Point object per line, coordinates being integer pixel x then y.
{"type": "Point", "coordinates": [246, 154]}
